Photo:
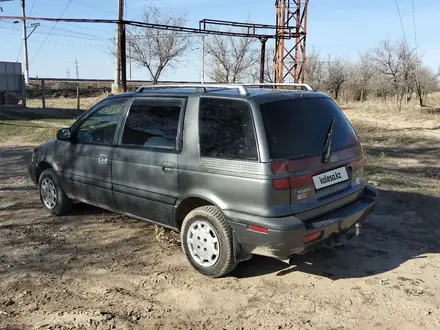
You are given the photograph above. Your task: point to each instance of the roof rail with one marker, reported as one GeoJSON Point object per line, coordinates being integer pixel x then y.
{"type": "Point", "coordinates": [241, 89]}
{"type": "Point", "coordinates": [306, 86]}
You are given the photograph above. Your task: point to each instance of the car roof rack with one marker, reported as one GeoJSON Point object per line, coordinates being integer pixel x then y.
{"type": "Point", "coordinates": [306, 86]}
{"type": "Point", "coordinates": [241, 88]}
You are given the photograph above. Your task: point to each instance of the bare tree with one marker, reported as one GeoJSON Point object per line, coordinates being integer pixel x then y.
{"type": "Point", "coordinates": [232, 59]}
{"type": "Point", "coordinates": [427, 82]}
{"type": "Point", "coordinates": [157, 49]}
{"type": "Point", "coordinates": [396, 62]}
{"type": "Point", "coordinates": [379, 86]}
{"type": "Point", "coordinates": [364, 72]}
{"type": "Point", "coordinates": [313, 73]}
{"type": "Point", "coordinates": [335, 75]}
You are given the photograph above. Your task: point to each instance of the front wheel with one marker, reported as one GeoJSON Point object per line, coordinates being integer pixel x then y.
{"type": "Point", "coordinates": [207, 241]}
{"type": "Point", "coordinates": [52, 195]}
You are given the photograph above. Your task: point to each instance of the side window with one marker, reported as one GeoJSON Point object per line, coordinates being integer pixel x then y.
{"type": "Point", "coordinates": [226, 130]}
{"type": "Point", "coordinates": [100, 126]}
{"type": "Point", "coordinates": [153, 123]}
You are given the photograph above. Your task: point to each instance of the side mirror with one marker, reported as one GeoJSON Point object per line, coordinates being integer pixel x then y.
{"type": "Point", "coordinates": [64, 134]}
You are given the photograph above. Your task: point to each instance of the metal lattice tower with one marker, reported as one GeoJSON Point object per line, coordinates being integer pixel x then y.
{"type": "Point", "coordinates": [290, 54]}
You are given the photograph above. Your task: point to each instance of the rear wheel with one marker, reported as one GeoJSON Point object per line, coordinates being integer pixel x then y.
{"type": "Point", "coordinates": [52, 195]}
{"type": "Point", "coordinates": [208, 242]}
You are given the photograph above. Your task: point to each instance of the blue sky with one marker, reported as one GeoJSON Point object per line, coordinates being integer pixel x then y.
{"type": "Point", "coordinates": [338, 27]}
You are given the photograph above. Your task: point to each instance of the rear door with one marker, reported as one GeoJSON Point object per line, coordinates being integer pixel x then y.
{"type": "Point", "coordinates": [312, 142]}
{"type": "Point", "coordinates": [144, 163]}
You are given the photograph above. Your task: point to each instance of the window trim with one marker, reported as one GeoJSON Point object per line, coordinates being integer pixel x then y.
{"type": "Point", "coordinates": [249, 106]}
{"type": "Point", "coordinates": [91, 111]}
{"type": "Point", "coordinates": [179, 137]}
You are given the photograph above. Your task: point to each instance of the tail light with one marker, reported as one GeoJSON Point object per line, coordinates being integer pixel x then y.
{"type": "Point", "coordinates": [301, 181]}
{"type": "Point", "coordinates": [279, 167]}
{"type": "Point", "coordinates": [357, 171]}
{"type": "Point", "coordinates": [281, 184]}
{"type": "Point", "coordinates": [288, 182]}
{"type": "Point", "coordinates": [312, 237]}
{"type": "Point", "coordinates": [357, 164]}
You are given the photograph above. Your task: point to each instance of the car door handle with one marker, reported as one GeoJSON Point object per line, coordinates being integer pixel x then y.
{"type": "Point", "coordinates": [102, 159]}
{"type": "Point", "coordinates": [167, 167]}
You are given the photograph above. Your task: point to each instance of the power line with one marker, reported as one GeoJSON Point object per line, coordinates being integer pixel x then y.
{"type": "Point", "coordinates": [86, 27]}
{"type": "Point", "coordinates": [62, 42]}
{"type": "Point", "coordinates": [73, 34]}
{"type": "Point", "coordinates": [414, 24]}
{"type": "Point", "coordinates": [401, 22]}
{"type": "Point", "coordinates": [417, 75]}
{"type": "Point", "coordinates": [50, 32]}
{"type": "Point", "coordinates": [64, 34]}
{"type": "Point", "coordinates": [32, 8]}
{"type": "Point", "coordinates": [93, 7]}
{"type": "Point", "coordinates": [19, 53]}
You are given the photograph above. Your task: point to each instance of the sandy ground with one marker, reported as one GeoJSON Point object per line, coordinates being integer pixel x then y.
{"type": "Point", "coordinates": [97, 270]}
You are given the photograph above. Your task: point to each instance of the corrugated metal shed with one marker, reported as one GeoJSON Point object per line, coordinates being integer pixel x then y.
{"type": "Point", "coordinates": [11, 77]}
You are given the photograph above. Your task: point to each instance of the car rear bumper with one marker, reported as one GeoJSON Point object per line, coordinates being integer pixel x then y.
{"type": "Point", "coordinates": [285, 236]}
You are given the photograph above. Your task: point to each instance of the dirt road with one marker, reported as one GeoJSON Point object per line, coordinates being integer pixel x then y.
{"type": "Point", "coordinates": [97, 270]}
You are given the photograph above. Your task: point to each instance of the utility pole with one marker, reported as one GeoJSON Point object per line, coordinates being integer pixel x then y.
{"type": "Point", "coordinates": [116, 88]}
{"type": "Point", "coordinates": [202, 77]}
{"type": "Point", "coordinates": [77, 68]}
{"type": "Point", "coordinates": [262, 58]}
{"type": "Point", "coordinates": [129, 58]}
{"type": "Point", "coordinates": [26, 56]}
{"type": "Point", "coordinates": [123, 59]}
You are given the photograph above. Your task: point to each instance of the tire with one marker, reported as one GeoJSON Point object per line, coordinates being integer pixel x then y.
{"type": "Point", "coordinates": [200, 228]}
{"type": "Point", "coordinates": [52, 195]}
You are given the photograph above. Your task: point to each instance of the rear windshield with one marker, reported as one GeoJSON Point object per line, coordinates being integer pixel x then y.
{"type": "Point", "coordinates": [297, 128]}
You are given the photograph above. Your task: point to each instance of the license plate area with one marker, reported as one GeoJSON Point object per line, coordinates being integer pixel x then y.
{"type": "Point", "coordinates": [330, 178]}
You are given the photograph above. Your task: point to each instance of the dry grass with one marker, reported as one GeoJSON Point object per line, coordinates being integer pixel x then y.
{"type": "Point", "coordinates": [65, 103]}
{"type": "Point", "coordinates": [401, 148]}
{"type": "Point", "coordinates": [403, 163]}
{"type": "Point", "coordinates": [411, 113]}
{"type": "Point", "coordinates": [30, 132]}
{"type": "Point", "coordinates": [166, 237]}
{"type": "Point", "coordinates": [30, 126]}
{"type": "Point", "coordinates": [33, 125]}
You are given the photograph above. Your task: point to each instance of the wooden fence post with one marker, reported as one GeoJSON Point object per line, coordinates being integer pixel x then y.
{"type": "Point", "coordinates": [43, 94]}
{"type": "Point", "coordinates": [23, 93]}
{"type": "Point", "coordinates": [78, 101]}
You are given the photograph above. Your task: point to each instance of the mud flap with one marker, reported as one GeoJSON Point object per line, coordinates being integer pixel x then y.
{"type": "Point", "coordinates": [239, 254]}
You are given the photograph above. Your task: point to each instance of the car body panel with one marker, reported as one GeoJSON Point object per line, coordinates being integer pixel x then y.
{"type": "Point", "coordinates": [145, 183]}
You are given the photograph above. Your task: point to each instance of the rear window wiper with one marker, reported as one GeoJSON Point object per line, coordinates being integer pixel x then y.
{"type": "Point", "coordinates": [328, 142]}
